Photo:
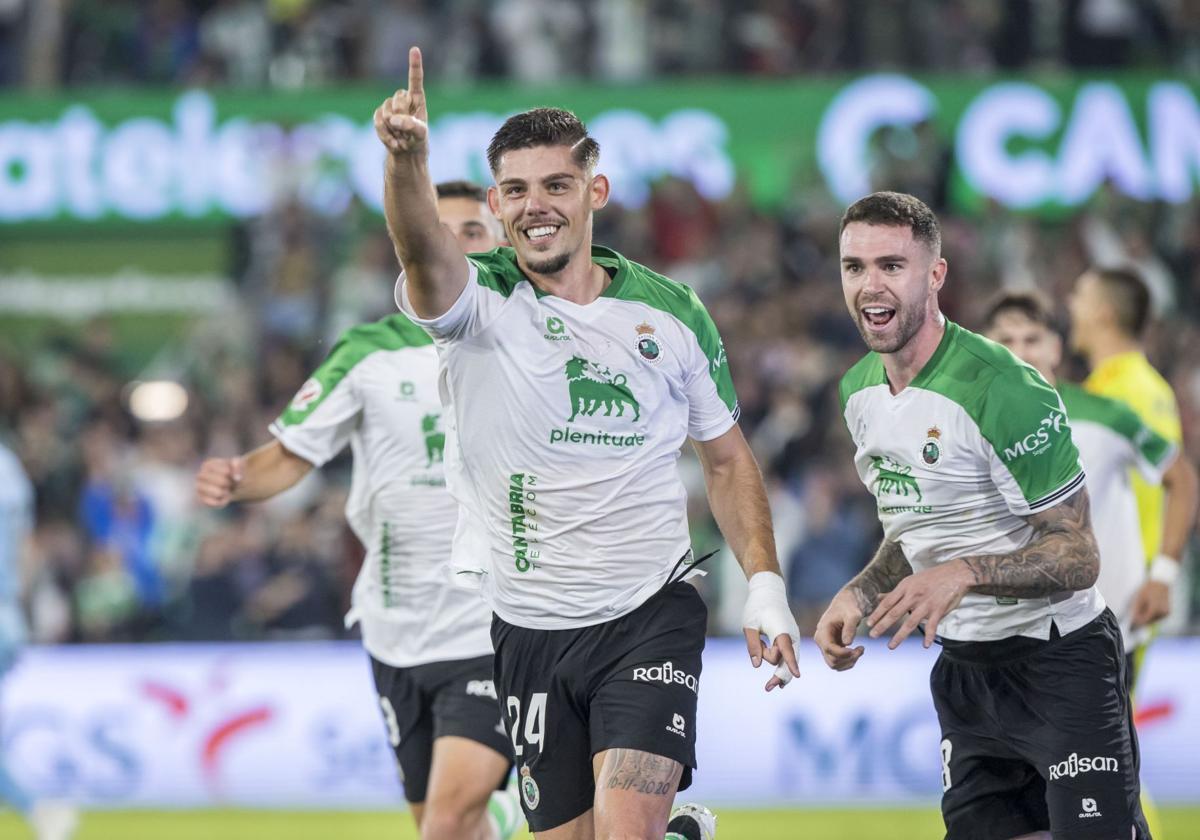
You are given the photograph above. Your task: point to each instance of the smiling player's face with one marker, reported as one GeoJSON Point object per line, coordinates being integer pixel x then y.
{"type": "Point", "coordinates": [889, 281]}
{"type": "Point", "coordinates": [545, 201]}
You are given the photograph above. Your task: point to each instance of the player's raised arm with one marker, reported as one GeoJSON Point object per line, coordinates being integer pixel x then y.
{"type": "Point", "coordinates": [433, 263]}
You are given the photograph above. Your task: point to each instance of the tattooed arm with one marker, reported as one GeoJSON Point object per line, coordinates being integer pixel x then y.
{"type": "Point", "coordinates": [1060, 557]}
{"type": "Point", "coordinates": [838, 626]}
{"type": "Point", "coordinates": [887, 568]}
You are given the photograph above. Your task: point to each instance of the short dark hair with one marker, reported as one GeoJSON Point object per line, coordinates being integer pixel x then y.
{"type": "Point", "coordinates": [1129, 296]}
{"type": "Point", "coordinates": [461, 189]}
{"type": "Point", "coordinates": [1032, 305]}
{"type": "Point", "coordinates": [544, 127]}
{"type": "Point", "coordinates": [895, 209]}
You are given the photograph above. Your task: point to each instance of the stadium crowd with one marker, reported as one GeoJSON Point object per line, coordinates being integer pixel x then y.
{"type": "Point", "coordinates": [124, 553]}
{"type": "Point", "coordinates": [298, 43]}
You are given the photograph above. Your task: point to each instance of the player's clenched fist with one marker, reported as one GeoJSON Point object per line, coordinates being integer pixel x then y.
{"type": "Point", "coordinates": [836, 631]}
{"type": "Point", "coordinates": [217, 480]}
{"type": "Point", "coordinates": [402, 121]}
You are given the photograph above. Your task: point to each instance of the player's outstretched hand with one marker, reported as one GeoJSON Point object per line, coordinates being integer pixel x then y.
{"type": "Point", "coordinates": [926, 596]}
{"type": "Point", "coordinates": [402, 121]}
{"type": "Point", "coordinates": [767, 614]}
{"type": "Point", "coordinates": [836, 631]}
{"type": "Point", "coordinates": [217, 479]}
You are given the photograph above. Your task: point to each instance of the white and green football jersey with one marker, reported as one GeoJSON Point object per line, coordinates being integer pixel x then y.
{"type": "Point", "coordinates": [956, 461]}
{"type": "Point", "coordinates": [570, 422]}
{"type": "Point", "coordinates": [1113, 441]}
{"type": "Point", "coordinates": [378, 392]}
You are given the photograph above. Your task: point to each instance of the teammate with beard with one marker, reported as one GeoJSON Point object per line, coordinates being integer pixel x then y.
{"type": "Point", "coordinates": [575, 376]}
{"type": "Point", "coordinates": [987, 544]}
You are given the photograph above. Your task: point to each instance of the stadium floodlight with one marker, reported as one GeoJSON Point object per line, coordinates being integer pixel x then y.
{"type": "Point", "coordinates": [157, 401]}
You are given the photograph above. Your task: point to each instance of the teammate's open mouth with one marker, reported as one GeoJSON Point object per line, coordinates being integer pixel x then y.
{"type": "Point", "coordinates": [541, 233]}
{"type": "Point", "coordinates": [877, 316]}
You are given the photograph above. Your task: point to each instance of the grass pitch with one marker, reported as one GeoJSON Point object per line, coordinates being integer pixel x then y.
{"type": "Point", "coordinates": [879, 824]}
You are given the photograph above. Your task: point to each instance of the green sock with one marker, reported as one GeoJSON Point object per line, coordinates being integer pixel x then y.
{"type": "Point", "coordinates": [504, 813]}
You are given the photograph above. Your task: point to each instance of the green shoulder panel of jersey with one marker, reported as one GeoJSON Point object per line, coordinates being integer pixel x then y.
{"type": "Point", "coordinates": [867, 372]}
{"type": "Point", "coordinates": [1115, 415]}
{"type": "Point", "coordinates": [498, 270]}
{"type": "Point", "coordinates": [635, 282]}
{"type": "Point", "coordinates": [1015, 409]}
{"type": "Point", "coordinates": [394, 332]}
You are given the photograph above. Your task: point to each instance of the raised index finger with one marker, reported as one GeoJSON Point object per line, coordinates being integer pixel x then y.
{"type": "Point", "coordinates": [416, 73]}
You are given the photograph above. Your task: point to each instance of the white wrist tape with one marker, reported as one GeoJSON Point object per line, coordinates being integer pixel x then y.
{"type": "Point", "coordinates": [1165, 569]}
{"type": "Point", "coordinates": [767, 611]}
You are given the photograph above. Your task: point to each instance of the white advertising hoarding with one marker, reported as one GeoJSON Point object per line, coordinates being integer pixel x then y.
{"type": "Point", "coordinates": [297, 726]}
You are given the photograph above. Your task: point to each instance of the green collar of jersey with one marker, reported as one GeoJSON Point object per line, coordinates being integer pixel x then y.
{"type": "Point", "coordinates": [606, 258]}
{"type": "Point", "coordinates": [929, 369]}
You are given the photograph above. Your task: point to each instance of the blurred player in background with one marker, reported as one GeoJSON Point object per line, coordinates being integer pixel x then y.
{"type": "Point", "coordinates": [429, 643]}
{"type": "Point", "coordinates": [1109, 312]}
{"type": "Point", "coordinates": [1114, 444]}
{"type": "Point", "coordinates": [49, 820]}
{"type": "Point", "coordinates": [575, 377]}
{"type": "Point", "coordinates": [988, 544]}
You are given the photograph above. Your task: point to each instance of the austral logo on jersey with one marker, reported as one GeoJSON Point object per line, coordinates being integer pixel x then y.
{"type": "Point", "coordinates": [895, 479]}
{"type": "Point", "coordinates": [649, 346]}
{"type": "Point", "coordinates": [556, 330]}
{"type": "Point", "coordinates": [1074, 765]}
{"type": "Point", "coordinates": [597, 391]}
{"type": "Point", "coordinates": [1039, 440]}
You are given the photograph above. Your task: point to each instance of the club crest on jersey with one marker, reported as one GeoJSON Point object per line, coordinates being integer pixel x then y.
{"type": "Point", "coordinates": [931, 452]}
{"type": "Point", "coordinates": [309, 392]}
{"type": "Point", "coordinates": [649, 346]}
{"type": "Point", "coordinates": [529, 789]}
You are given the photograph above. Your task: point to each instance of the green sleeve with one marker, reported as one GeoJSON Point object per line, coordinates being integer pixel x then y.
{"type": "Point", "coordinates": [1034, 461]}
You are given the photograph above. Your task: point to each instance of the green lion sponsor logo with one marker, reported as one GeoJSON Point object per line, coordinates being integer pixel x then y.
{"type": "Point", "coordinates": [896, 479]}
{"type": "Point", "coordinates": [596, 391]}
{"type": "Point", "coordinates": [435, 441]}
{"type": "Point", "coordinates": [593, 388]}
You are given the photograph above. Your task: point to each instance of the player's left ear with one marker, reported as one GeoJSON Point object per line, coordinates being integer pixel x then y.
{"type": "Point", "coordinates": [599, 191]}
{"type": "Point", "coordinates": [937, 274]}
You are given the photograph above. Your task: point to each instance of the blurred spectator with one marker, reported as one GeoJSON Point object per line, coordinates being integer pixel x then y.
{"type": "Point", "coordinates": [298, 43]}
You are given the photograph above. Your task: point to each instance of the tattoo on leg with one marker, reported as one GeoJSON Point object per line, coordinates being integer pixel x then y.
{"type": "Point", "coordinates": [641, 772]}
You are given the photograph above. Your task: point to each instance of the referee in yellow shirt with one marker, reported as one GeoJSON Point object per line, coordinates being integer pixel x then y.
{"type": "Point", "coordinates": [1110, 308]}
